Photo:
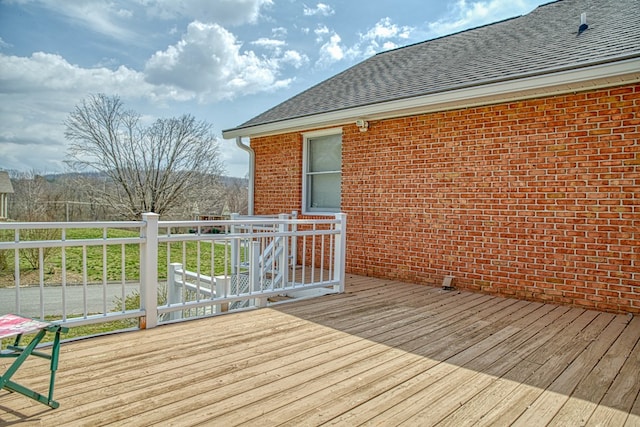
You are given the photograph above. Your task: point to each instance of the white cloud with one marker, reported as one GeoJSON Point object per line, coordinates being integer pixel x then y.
{"type": "Point", "coordinates": [389, 45]}
{"type": "Point", "coordinates": [384, 35]}
{"type": "Point", "coordinates": [224, 12]}
{"type": "Point", "coordinates": [209, 61]}
{"type": "Point", "coordinates": [124, 13]}
{"type": "Point", "coordinates": [115, 21]}
{"type": "Point", "coordinates": [321, 31]}
{"type": "Point", "coordinates": [294, 58]}
{"type": "Point", "coordinates": [269, 43]}
{"type": "Point", "coordinates": [99, 16]}
{"type": "Point", "coordinates": [3, 44]}
{"type": "Point", "coordinates": [331, 51]}
{"type": "Point", "coordinates": [468, 14]}
{"type": "Point", "coordinates": [45, 72]}
{"type": "Point", "coordinates": [320, 9]}
{"type": "Point", "coordinates": [279, 32]}
{"type": "Point", "coordinates": [385, 29]}
{"type": "Point", "coordinates": [290, 57]}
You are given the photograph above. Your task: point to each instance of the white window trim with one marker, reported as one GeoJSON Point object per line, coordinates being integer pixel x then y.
{"type": "Point", "coordinates": [305, 138]}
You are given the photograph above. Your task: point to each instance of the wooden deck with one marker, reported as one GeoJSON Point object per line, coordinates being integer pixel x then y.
{"type": "Point", "coordinates": [383, 353]}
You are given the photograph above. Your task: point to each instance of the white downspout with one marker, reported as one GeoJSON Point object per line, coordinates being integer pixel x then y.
{"type": "Point", "coordinates": [252, 164]}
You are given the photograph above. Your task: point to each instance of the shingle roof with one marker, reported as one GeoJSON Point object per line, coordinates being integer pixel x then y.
{"type": "Point", "coordinates": [540, 42]}
{"type": "Point", "coordinates": [5, 183]}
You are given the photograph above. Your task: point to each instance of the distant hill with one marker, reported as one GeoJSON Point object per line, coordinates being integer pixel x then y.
{"type": "Point", "coordinates": [52, 177]}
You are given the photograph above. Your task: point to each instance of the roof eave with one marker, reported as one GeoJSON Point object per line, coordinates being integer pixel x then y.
{"type": "Point", "coordinates": [551, 83]}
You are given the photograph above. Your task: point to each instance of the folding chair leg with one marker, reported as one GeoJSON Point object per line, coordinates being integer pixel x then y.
{"type": "Point", "coordinates": [17, 388]}
{"type": "Point", "coordinates": [55, 350]}
{"type": "Point", "coordinates": [24, 353]}
{"type": "Point", "coordinates": [5, 379]}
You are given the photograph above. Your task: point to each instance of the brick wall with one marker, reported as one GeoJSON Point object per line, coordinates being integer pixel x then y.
{"type": "Point", "coordinates": [278, 174]}
{"type": "Point", "coordinates": [537, 199]}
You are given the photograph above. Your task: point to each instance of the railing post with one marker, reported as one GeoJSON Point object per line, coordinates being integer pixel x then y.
{"type": "Point", "coordinates": [340, 252]}
{"type": "Point", "coordinates": [223, 288]}
{"type": "Point", "coordinates": [254, 273]}
{"type": "Point", "coordinates": [174, 290]}
{"type": "Point", "coordinates": [234, 246]}
{"type": "Point", "coordinates": [149, 271]}
{"type": "Point", "coordinates": [283, 262]}
{"type": "Point", "coordinates": [294, 241]}
{"type": "Point", "coordinates": [16, 269]}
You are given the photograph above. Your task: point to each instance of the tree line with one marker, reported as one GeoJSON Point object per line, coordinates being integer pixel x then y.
{"type": "Point", "coordinates": [80, 197]}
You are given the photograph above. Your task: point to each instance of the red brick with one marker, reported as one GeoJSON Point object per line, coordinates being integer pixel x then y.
{"type": "Point", "coordinates": [535, 199]}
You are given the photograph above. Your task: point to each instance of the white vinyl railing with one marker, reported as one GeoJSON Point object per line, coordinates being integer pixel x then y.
{"type": "Point", "coordinates": [50, 289]}
{"type": "Point", "coordinates": [150, 271]}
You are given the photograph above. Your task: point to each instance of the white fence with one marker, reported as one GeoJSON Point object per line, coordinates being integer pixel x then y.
{"type": "Point", "coordinates": [150, 271]}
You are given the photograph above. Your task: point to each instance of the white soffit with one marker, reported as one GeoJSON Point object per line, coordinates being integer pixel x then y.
{"type": "Point", "coordinates": [594, 77]}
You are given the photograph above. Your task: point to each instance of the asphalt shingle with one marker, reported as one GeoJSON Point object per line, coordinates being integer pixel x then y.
{"type": "Point", "coordinates": [543, 41]}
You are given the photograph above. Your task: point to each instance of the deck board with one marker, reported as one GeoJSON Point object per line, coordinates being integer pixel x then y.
{"type": "Point", "coordinates": [382, 353]}
{"type": "Point", "coordinates": [592, 388]}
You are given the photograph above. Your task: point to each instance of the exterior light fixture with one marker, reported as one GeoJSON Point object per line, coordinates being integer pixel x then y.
{"type": "Point", "coordinates": [362, 124]}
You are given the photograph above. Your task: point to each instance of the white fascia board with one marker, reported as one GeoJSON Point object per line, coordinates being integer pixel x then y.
{"type": "Point", "coordinates": [594, 77]}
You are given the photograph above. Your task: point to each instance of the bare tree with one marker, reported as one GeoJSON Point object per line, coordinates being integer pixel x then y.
{"type": "Point", "coordinates": [34, 201]}
{"type": "Point", "coordinates": [153, 168]}
{"type": "Point", "coordinates": [32, 197]}
{"type": "Point", "coordinates": [237, 195]}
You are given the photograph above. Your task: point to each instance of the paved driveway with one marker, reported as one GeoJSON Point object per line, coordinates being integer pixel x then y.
{"type": "Point", "coordinates": [30, 299]}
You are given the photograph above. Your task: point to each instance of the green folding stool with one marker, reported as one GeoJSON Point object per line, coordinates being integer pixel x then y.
{"type": "Point", "coordinates": [11, 325]}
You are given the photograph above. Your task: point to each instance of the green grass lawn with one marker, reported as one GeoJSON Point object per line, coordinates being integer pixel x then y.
{"type": "Point", "coordinates": [116, 262]}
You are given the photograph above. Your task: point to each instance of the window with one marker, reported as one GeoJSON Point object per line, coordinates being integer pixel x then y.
{"type": "Point", "coordinates": [322, 171]}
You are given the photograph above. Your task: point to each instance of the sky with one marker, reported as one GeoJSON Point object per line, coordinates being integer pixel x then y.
{"type": "Point", "coordinates": [221, 61]}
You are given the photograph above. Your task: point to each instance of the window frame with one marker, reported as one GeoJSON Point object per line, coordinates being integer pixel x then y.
{"type": "Point", "coordinates": [306, 137]}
